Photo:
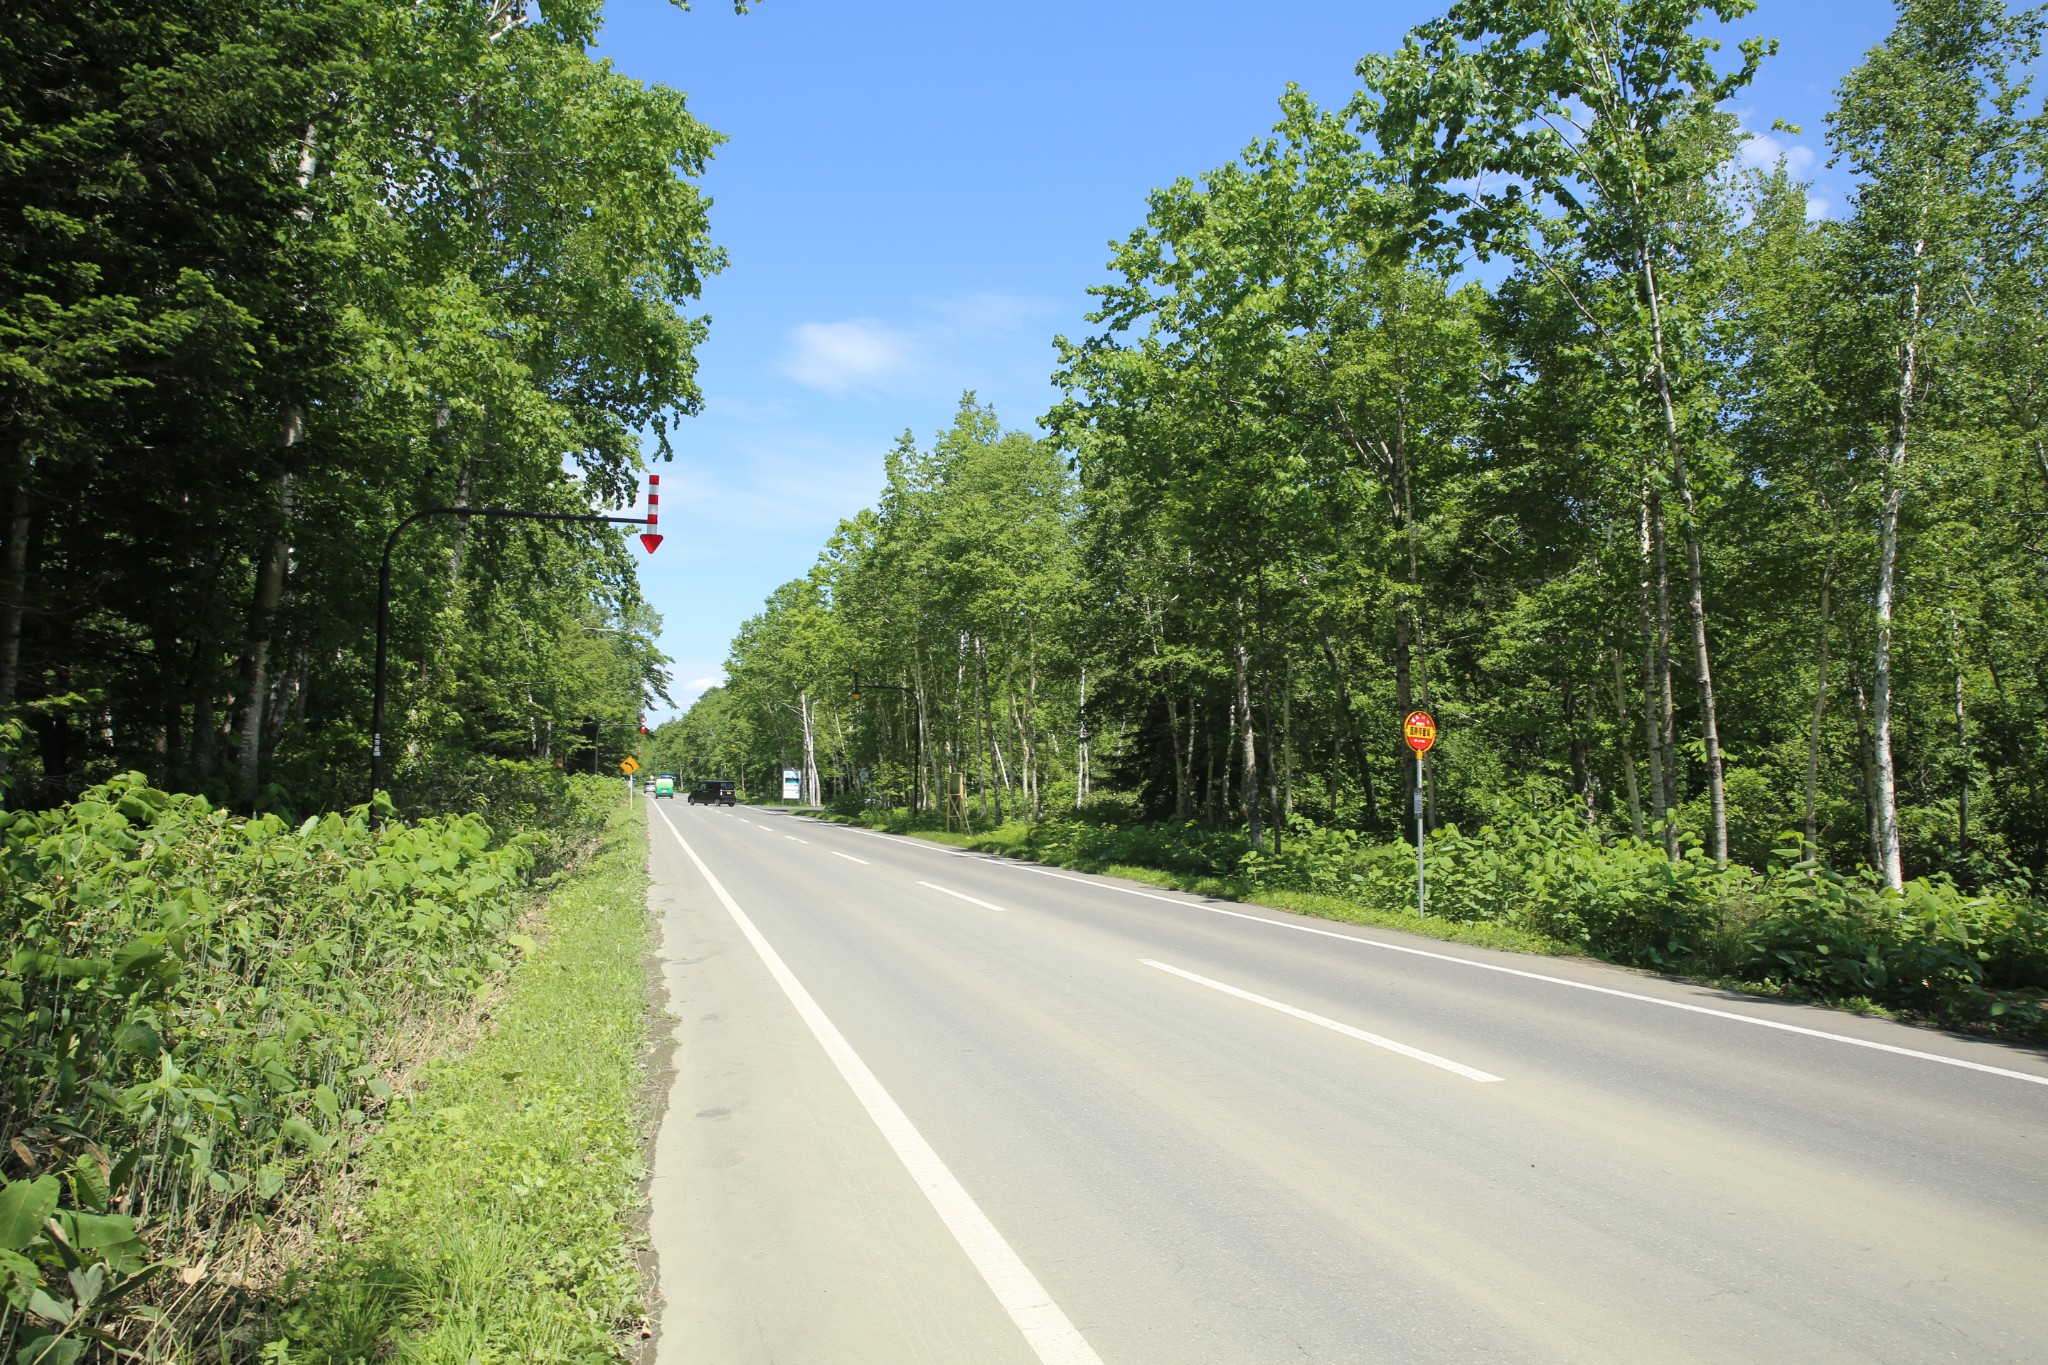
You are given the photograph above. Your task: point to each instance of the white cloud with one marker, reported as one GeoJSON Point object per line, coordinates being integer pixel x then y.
{"type": "Point", "coordinates": [701, 685]}
{"type": "Point", "coordinates": [864, 353]}
{"type": "Point", "coordinates": [988, 314]}
{"type": "Point", "coordinates": [839, 357]}
{"type": "Point", "coordinates": [1763, 151]}
{"type": "Point", "coordinates": [1816, 208]}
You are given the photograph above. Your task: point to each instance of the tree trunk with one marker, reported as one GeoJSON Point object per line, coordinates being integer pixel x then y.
{"type": "Point", "coordinates": [1890, 861]}
{"type": "Point", "coordinates": [1962, 741]}
{"type": "Point", "coordinates": [1033, 764]}
{"type": "Point", "coordinates": [920, 784]}
{"type": "Point", "coordinates": [1695, 591]}
{"type": "Point", "coordinates": [1350, 729]}
{"type": "Point", "coordinates": [1581, 753]}
{"type": "Point", "coordinates": [262, 619]}
{"type": "Point", "coordinates": [1213, 808]}
{"type": "Point", "coordinates": [810, 783]}
{"type": "Point", "coordinates": [1081, 746]}
{"type": "Point", "coordinates": [1624, 724]}
{"type": "Point", "coordinates": [1820, 707]}
{"type": "Point", "coordinates": [1274, 750]}
{"type": "Point", "coordinates": [984, 766]}
{"type": "Point", "coordinates": [1666, 739]}
{"type": "Point", "coordinates": [1248, 742]}
{"type": "Point", "coordinates": [1180, 772]}
{"type": "Point", "coordinates": [1866, 751]}
{"type": "Point", "coordinates": [14, 594]}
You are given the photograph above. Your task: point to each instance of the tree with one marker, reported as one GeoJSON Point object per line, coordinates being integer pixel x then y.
{"type": "Point", "coordinates": [1931, 125]}
{"type": "Point", "coordinates": [1584, 141]}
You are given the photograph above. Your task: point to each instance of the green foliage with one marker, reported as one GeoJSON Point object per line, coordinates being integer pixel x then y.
{"type": "Point", "coordinates": [1633, 516]}
{"type": "Point", "coordinates": [495, 1228]}
{"type": "Point", "coordinates": [953, 601]}
{"type": "Point", "coordinates": [193, 1006]}
{"type": "Point", "coordinates": [275, 274]}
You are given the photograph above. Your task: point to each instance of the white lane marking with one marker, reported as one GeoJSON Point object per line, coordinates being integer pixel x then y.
{"type": "Point", "coordinates": [1052, 1338]}
{"type": "Point", "coordinates": [851, 859]}
{"type": "Point", "coordinates": [792, 836]}
{"type": "Point", "coordinates": [1689, 1008]}
{"type": "Point", "coordinates": [1470, 1073]}
{"type": "Point", "coordinates": [1556, 980]}
{"type": "Point", "coordinates": [965, 897]}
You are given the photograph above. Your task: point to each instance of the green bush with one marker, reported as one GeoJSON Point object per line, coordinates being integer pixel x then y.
{"type": "Point", "coordinates": [188, 1015]}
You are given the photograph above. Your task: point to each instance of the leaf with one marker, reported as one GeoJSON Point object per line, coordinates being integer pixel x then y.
{"type": "Point", "coordinates": [22, 1276]}
{"type": "Point", "coordinates": [302, 1134]}
{"type": "Point", "coordinates": [49, 1307]}
{"type": "Point", "coordinates": [98, 1231]}
{"type": "Point", "coordinates": [24, 1207]}
{"type": "Point", "coordinates": [86, 1284]}
{"type": "Point", "coordinates": [50, 1350]}
{"type": "Point", "coordinates": [137, 1038]}
{"type": "Point", "coordinates": [88, 1183]}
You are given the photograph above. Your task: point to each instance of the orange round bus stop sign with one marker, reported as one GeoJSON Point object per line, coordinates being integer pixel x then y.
{"type": "Point", "coordinates": [1420, 732]}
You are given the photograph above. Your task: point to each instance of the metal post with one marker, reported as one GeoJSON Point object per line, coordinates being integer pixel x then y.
{"type": "Point", "coordinates": [384, 611]}
{"type": "Point", "coordinates": [1421, 886]}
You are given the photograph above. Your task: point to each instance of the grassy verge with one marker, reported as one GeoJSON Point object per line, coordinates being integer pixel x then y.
{"type": "Point", "coordinates": [1011, 840]}
{"type": "Point", "coordinates": [493, 1227]}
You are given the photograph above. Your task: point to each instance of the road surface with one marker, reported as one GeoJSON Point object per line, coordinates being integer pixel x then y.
{"type": "Point", "coordinates": [935, 1106]}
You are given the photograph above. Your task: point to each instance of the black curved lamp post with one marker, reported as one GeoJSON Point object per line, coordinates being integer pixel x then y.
{"type": "Point", "coordinates": [384, 606]}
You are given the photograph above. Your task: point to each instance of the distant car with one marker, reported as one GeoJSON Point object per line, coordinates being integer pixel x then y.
{"type": "Point", "coordinates": [713, 794]}
{"type": "Point", "coordinates": [665, 785]}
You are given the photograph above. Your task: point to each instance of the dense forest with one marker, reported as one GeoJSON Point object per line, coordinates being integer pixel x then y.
{"type": "Point", "coordinates": [277, 277]}
{"type": "Point", "coordinates": [1513, 389]}
{"type": "Point", "coordinates": [275, 274]}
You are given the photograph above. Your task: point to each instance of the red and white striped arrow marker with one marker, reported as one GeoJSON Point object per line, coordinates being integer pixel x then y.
{"type": "Point", "coordinates": [650, 537]}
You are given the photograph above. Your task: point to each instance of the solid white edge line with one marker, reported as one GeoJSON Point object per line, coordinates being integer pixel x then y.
{"type": "Point", "coordinates": [962, 895]}
{"type": "Point", "coordinates": [851, 859]}
{"type": "Point", "coordinates": [1470, 1073]}
{"type": "Point", "coordinates": [1915, 1053]}
{"type": "Point", "coordinates": [1553, 980]}
{"type": "Point", "coordinates": [1051, 1336]}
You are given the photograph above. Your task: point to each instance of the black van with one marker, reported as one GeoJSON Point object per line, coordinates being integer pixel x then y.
{"type": "Point", "coordinates": [713, 794]}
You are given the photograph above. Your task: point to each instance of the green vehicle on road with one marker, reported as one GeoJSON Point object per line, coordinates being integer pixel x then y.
{"type": "Point", "coordinates": [665, 785]}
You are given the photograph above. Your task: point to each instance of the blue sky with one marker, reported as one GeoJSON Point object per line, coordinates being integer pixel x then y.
{"type": "Point", "coordinates": [916, 195]}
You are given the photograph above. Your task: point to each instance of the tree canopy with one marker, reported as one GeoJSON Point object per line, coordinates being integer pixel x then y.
{"type": "Point", "coordinates": [275, 274]}
{"type": "Point", "coordinates": [1505, 389]}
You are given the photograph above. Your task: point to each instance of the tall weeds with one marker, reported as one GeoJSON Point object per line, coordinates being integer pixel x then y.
{"type": "Point", "coordinates": [192, 1019]}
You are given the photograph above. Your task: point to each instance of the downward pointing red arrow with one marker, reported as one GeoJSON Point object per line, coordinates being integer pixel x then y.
{"type": "Point", "coordinates": [650, 539]}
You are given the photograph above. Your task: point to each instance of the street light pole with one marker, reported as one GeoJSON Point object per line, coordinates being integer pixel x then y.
{"type": "Point", "coordinates": [384, 606]}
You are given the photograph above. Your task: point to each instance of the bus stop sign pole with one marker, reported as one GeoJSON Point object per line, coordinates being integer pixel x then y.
{"type": "Point", "coordinates": [1419, 730]}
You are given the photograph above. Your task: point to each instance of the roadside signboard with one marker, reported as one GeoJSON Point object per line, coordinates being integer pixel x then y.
{"type": "Point", "coordinates": [792, 785]}
{"type": "Point", "coordinates": [1420, 732]}
{"type": "Point", "coordinates": [629, 765]}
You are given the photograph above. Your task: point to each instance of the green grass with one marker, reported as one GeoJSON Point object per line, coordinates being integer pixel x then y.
{"type": "Point", "coordinates": [1011, 840]}
{"type": "Point", "coordinates": [494, 1224]}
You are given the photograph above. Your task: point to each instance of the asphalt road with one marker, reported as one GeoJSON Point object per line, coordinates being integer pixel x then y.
{"type": "Point", "coordinates": [932, 1106]}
